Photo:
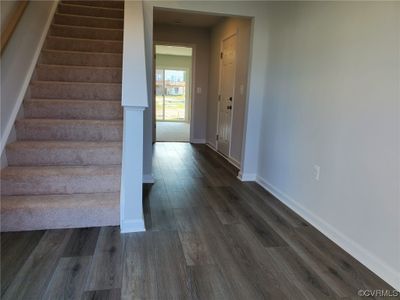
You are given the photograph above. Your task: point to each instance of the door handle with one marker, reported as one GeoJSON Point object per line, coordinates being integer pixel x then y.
{"type": "Point", "coordinates": [229, 107]}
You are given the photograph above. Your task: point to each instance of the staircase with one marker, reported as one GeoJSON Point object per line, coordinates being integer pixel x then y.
{"type": "Point", "coordinates": [64, 168]}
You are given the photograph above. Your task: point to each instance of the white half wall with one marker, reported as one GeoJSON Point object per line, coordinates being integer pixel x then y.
{"type": "Point", "coordinates": [333, 102]}
{"type": "Point", "coordinates": [19, 60]}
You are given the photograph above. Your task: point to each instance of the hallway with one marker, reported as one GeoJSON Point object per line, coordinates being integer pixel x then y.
{"type": "Point", "coordinates": [172, 132]}
{"type": "Point", "coordinates": [209, 236]}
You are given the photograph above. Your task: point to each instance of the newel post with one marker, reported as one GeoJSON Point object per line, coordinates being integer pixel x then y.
{"type": "Point", "coordinates": [134, 102]}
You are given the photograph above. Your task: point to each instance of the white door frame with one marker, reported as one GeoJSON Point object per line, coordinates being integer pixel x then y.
{"type": "Point", "coordinates": [233, 95]}
{"type": "Point", "coordinates": [193, 80]}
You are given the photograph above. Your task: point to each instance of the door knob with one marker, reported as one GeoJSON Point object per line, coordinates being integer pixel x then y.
{"type": "Point", "coordinates": [230, 98]}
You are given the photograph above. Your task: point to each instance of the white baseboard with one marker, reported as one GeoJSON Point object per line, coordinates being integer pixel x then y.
{"type": "Point", "coordinates": [28, 76]}
{"type": "Point", "coordinates": [211, 145]}
{"type": "Point", "coordinates": [198, 141]}
{"type": "Point", "coordinates": [229, 159]}
{"type": "Point", "coordinates": [234, 162]}
{"type": "Point", "coordinates": [148, 178]}
{"type": "Point", "coordinates": [132, 226]}
{"type": "Point", "coordinates": [371, 261]}
{"type": "Point", "coordinates": [247, 176]}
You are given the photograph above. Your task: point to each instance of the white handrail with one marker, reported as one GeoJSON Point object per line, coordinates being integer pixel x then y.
{"type": "Point", "coordinates": [134, 83]}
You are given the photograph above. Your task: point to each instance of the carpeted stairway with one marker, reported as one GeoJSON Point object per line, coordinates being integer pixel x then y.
{"type": "Point", "coordinates": [64, 168]}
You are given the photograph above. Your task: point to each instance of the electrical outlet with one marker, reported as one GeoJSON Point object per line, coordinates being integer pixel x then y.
{"type": "Point", "coordinates": [317, 171]}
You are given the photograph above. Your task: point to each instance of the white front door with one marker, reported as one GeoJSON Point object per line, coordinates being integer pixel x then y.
{"type": "Point", "coordinates": [227, 83]}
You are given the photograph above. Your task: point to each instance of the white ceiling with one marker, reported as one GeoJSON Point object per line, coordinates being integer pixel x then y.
{"type": "Point", "coordinates": [173, 50]}
{"type": "Point", "coordinates": [185, 18]}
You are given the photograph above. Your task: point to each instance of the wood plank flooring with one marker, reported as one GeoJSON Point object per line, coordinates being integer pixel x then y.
{"type": "Point", "coordinates": [209, 236]}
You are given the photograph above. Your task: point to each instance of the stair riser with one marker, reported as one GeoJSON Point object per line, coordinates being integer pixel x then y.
{"type": "Point", "coordinates": [64, 156]}
{"type": "Point", "coordinates": [61, 184]}
{"type": "Point", "coordinates": [57, 218]}
{"type": "Point", "coordinates": [72, 74]}
{"type": "Point", "coordinates": [81, 59]}
{"type": "Point", "coordinates": [70, 109]}
{"type": "Point", "coordinates": [88, 21]}
{"type": "Point", "coordinates": [90, 11]}
{"type": "Point", "coordinates": [53, 90]}
{"type": "Point", "coordinates": [110, 4]}
{"type": "Point", "coordinates": [42, 131]}
{"type": "Point", "coordinates": [86, 33]}
{"type": "Point", "coordinates": [57, 43]}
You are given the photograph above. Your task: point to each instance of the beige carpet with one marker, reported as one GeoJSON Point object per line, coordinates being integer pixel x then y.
{"type": "Point", "coordinates": [64, 168]}
{"type": "Point", "coordinates": [173, 132]}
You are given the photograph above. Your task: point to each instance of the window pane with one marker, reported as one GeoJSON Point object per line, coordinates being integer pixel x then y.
{"type": "Point", "coordinates": [159, 94]}
{"type": "Point", "coordinates": [175, 95]}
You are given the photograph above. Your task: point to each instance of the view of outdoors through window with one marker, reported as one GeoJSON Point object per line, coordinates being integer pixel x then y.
{"type": "Point", "coordinates": [170, 95]}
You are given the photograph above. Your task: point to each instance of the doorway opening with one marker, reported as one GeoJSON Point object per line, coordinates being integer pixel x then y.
{"type": "Point", "coordinates": [173, 92]}
{"type": "Point", "coordinates": [216, 103]}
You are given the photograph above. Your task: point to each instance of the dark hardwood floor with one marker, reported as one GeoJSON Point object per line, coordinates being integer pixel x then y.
{"type": "Point", "coordinates": [209, 236]}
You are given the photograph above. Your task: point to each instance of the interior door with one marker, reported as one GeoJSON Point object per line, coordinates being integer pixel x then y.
{"type": "Point", "coordinates": [227, 83]}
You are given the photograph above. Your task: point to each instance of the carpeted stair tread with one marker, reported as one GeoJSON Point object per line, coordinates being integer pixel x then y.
{"type": "Point", "coordinates": [32, 153]}
{"type": "Point", "coordinates": [95, 11]}
{"type": "Point", "coordinates": [75, 90]}
{"type": "Point", "coordinates": [90, 3]}
{"type": "Point", "coordinates": [76, 109]}
{"type": "Point", "coordinates": [36, 212]}
{"type": "Point", "coordinates": [69, 130]}
{"type": "Point", "coordinates": [97, 22]}
{"type": "Point", "coordinates": [48, 72]}
{"type": "Point", "coordinates": [76, 58]}
{"type": "Point", "coordinates": [45, 180]}
{"type": "Point", "coordinates": [86, 32]}
{"type": "Point", "coordinates": [83, 45]}
{"type": "Point", "coordinates": [72, 100]}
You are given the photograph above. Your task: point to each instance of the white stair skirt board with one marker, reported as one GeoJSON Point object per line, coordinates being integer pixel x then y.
{"type": "Point", "coordinates": [231, 160]}
{"type": "Point", "coordinates": [375, 264]}
{"type": "Point", "coordinates": [28, 75]}
{"type": "Point", "coordinates": [173, 132]}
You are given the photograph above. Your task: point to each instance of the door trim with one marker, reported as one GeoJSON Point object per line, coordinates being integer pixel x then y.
{"type": "Point", "coordinates": [193, 87]}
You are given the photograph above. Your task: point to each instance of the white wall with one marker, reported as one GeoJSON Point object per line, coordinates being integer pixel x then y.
{"type": "Point", "coordinates": [18, 60]}
{"type": "Point", "coordinates": [332, 92]}
{"type": "Point", "coordinates": [199, 38]}
{"type": "Point", "coordinates": [242, 28]}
